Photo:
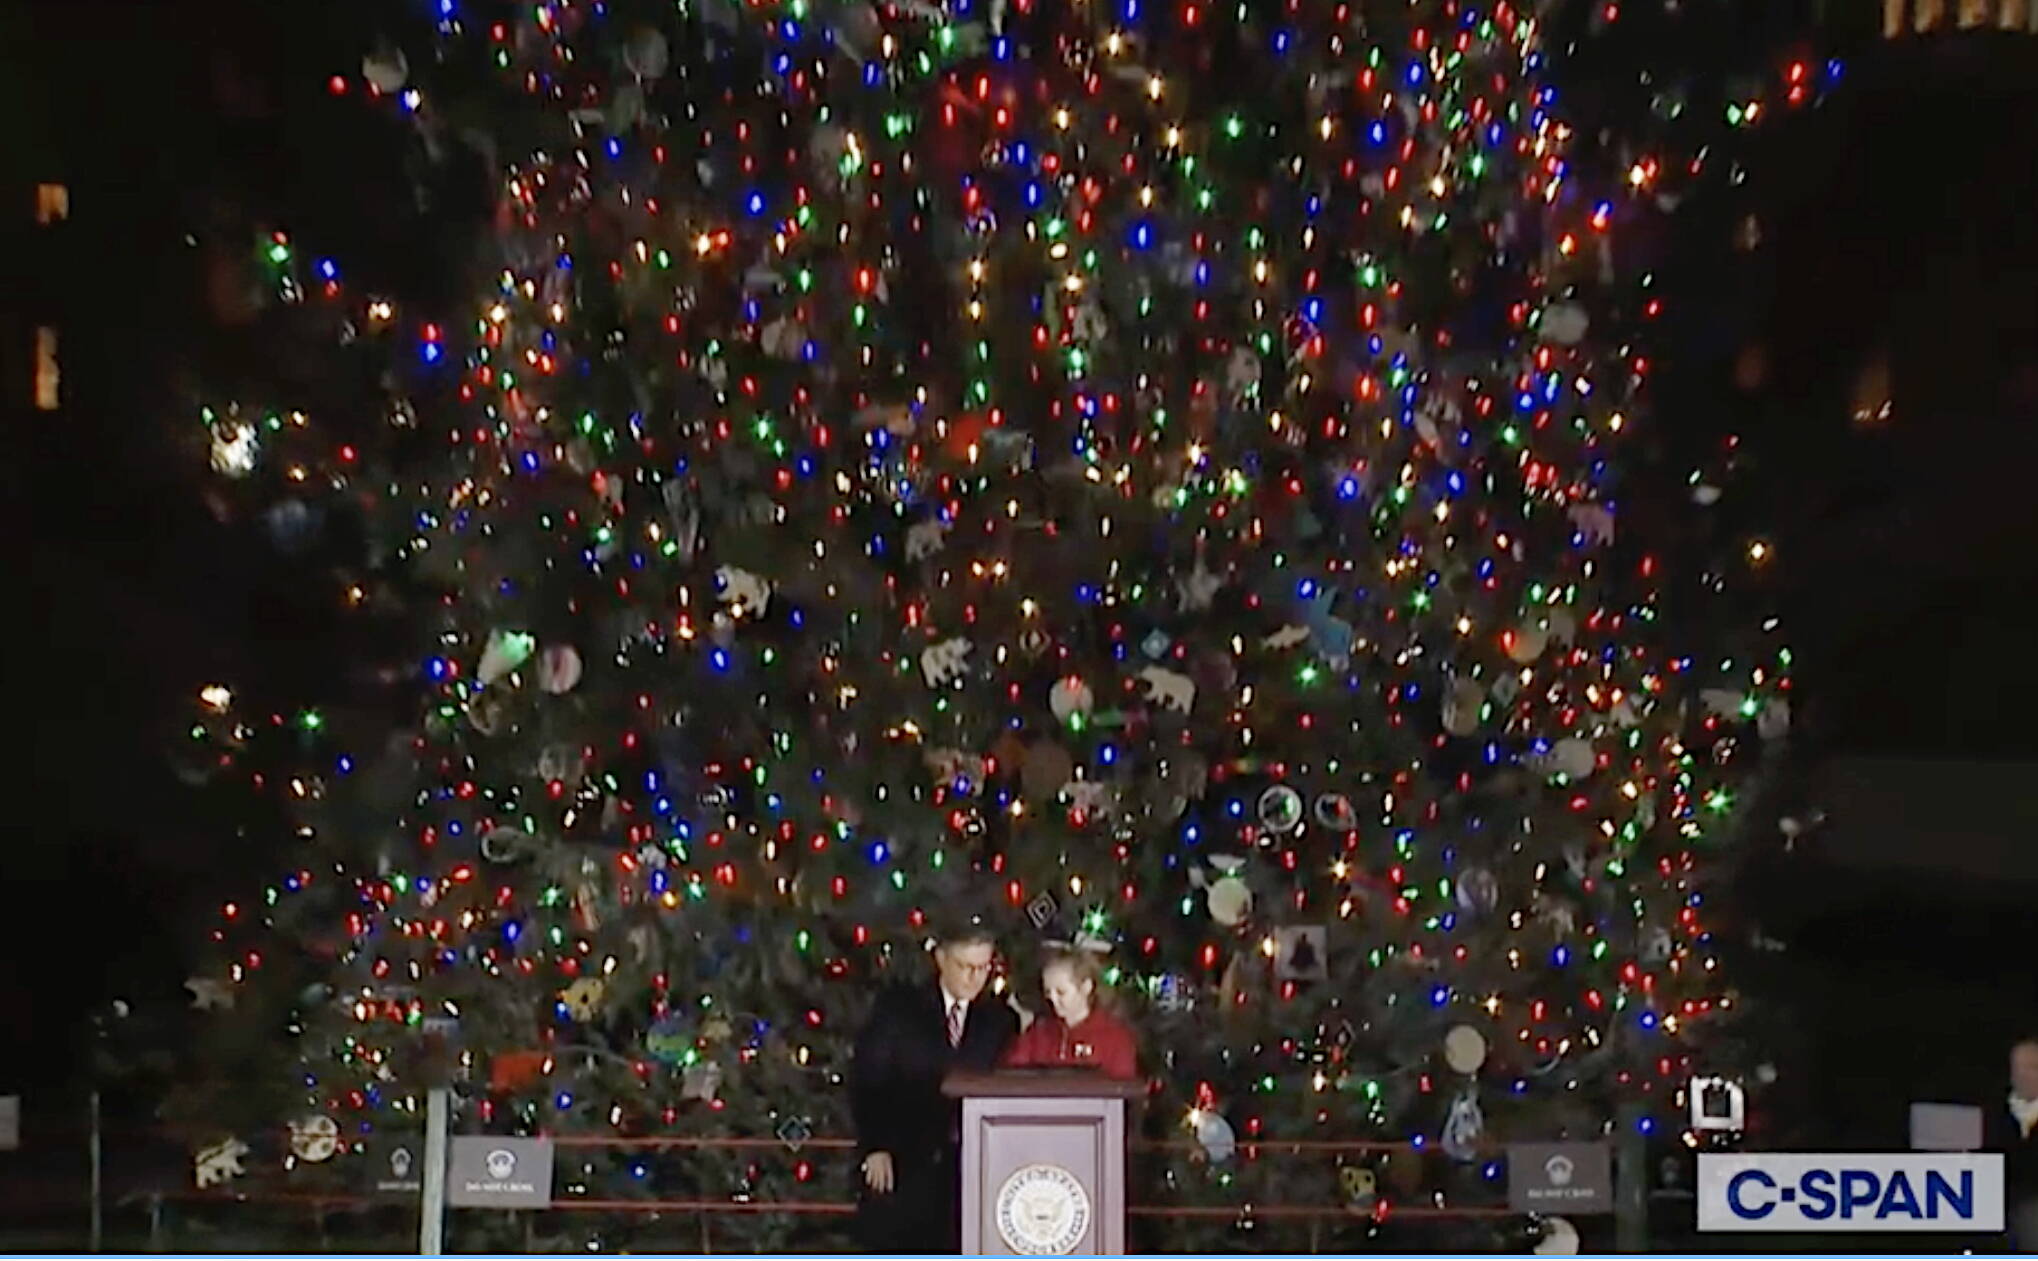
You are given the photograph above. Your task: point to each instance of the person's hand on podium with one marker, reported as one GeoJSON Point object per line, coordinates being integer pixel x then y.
{"type": "Point", "coordinates": [877, 1172]}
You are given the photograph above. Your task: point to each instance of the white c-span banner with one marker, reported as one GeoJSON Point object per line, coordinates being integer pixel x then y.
{"type": "Point", "coordinates": [1915, 1191]}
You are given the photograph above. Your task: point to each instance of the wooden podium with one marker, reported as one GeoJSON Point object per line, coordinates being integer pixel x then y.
{"type": "Point", "coordinates": [1043, 1162]}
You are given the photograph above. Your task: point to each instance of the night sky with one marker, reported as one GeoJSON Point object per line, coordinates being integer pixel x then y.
{"type": "Point", "coordinates": [1896, 223]}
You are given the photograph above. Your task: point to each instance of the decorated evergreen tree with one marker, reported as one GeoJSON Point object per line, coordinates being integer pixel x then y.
{"type": "Point", "coordinates": [1151, 474]}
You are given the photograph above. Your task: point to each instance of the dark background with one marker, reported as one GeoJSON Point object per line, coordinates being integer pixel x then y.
{"type": "Point", "coordinates": [1897, 236]}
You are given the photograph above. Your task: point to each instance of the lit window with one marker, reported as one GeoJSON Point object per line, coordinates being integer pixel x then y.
{"type": "Point", "coordinates": [49, 376]}
{"type": "Point", "coordinates": [52, 203]}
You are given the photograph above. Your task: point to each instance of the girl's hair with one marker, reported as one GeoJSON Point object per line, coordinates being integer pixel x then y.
{"type": "Point", "coordinates": [1082, 965]}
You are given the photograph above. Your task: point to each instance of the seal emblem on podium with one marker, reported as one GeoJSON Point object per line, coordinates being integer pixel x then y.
{"type": "Point", "coordinates": [1042, 1211]}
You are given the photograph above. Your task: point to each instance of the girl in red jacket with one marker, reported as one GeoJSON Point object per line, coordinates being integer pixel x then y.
{"type": "Point", "coordinates": [1081, 1033]}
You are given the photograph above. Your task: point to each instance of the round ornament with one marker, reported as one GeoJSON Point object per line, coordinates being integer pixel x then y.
{"type": "Point", "coordinates": [1336, 812]}
{"type": "Point", "coordinates": [506, 845]}
{"type": "Point", "coordinates": [1280, 809]}
{"type": "Point", "coordinates": [1526, 642]}
{"type": "Point", "coordinates": [647, 53]}
{"type": "Point", "coordinates": [1560, 1239]}
{"type": "Point", "coordinates": [314, 1138]}
{"type": "Point", "coordinates": [1573, 757]}
{"type": "Point", "coordinates": [1071, 699]}
{"type": "Point", "coordinates": [669, 1040]}
{"type": "Point", "coordinates": [294, 526]}
{"type": "Point", "coordinates": [1565, 323]}
{"type": "Point", "coordinates": [1042, 1210]}
{"type": "Point", "coordinates": [1464, 1049]}
{"type": "Point", "coordinates": [1216, 1136]}
{"type": "Point", "coordinates": [1230, 900]}
{"type": "Point", "coordinates": [559, 669]}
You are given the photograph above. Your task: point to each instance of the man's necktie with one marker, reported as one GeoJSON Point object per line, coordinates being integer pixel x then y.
{"type": "Point", "coordinates": [955, 1024]}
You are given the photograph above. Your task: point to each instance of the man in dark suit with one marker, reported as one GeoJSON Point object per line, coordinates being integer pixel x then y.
{"type": "Point", "coordinates": [2011, 1127]}
{"type": "Point", "coordinates": [906, 1130]}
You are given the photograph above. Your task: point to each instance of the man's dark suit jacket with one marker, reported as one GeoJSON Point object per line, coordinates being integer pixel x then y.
{"type": "Point", "coordinates": [2000, 1133]}
{"type": "Point", "coordinates": [895, 1097]}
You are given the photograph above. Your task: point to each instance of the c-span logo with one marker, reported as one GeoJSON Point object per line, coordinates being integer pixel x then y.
{"type": "Point", "coordinates": [1914, 1191]}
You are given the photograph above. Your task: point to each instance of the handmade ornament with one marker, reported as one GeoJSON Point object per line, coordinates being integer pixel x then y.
{"type": "Point", "coordinates": [559, 669]}
{"type": "Point", "coordinates": [783, 338]}
{"type": "Point", "coordinates": [512, 1071]}
{"type": "Point", "coordinates": [701, 1081]}
{"type": "Point", "coordinates": [794, 1132]}
{"type": "Point", "coordinates": [314, 1139]}
{"type": "Point", "coordinates": [683, 515]}
{"type": "Point", "coordinates": [1287, 637]}
{"type": "Point", "coordinates": [926, 538]}
{"type": "Point", "coordinates": [1718, 1104]}
{"type": "Point", "coordinates": [386, 70]}
{"type": "Point", "coordinates": [1555, 914]}
{"type": "Point", "coordinates": [1594, 522]}
{"type": "Point", "coordinates": [210, 994]}
{"type": "Point", "coordinates": [1280, 809]}
{"type": "Point", "coordinates": [1772, 721]}
{"type": "Point", "coordinates": [1478, 891]}
{"type": "Point", "coordinates": [1561, 625]}
{"type": "Point", "coordinates": [1169, 690]}
{"type": "Point", "coordinates": [1040, 912]}
{"type": "Point", "coordinates": [559, 761]}
{"type": "Point", "coordinates": [1071, 699]}
{"type": "Point", "coordinates": [1090, 799]}
{"type": "Point", "coordinates": [1197, 589]}
{"type": "Point", "coordinates": [583, 998]}
{"type": "Point", "coordinates": [1242, 372]}
{"type": "Point", "coordinates": [1464, 702]}
{"type": "Point", "coordinates": [1330, 638]}
{"type": "Point", "coordinates": [504, 653]}
{"type": "Point", "coordinates": [1656, 946]}
{"type": "Point", "coordinates": [1464, 1127]}
{"type": "Point", "coordinates": [1361, 1187]}
{"type": "Point", "coordinates": [1047, 767]}
{"type": "Point", "coordinates": [1301, 952]}
{"type": "Point", "coordinates": [1464, 1049]}
{"type": "Point", "coordinates": [943, 663]}
{"type": "Point", "coordinates": [950, 766]}
{"type": "Point", "coordinates": [1174, 993]}
{"type": "Point", "coordinates": [488, 713]}
{"type": "Point", "coordinates": [741, 592]}
{"type": "Point", "coordinates": [219, 1162]}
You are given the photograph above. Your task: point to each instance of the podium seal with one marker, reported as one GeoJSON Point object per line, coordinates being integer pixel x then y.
{"type": "Point", "coordinates": [1042, 1211]}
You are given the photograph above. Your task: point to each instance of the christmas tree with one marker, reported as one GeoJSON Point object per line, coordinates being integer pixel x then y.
{"type": "Point", "coordinates": [1149, 474]}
